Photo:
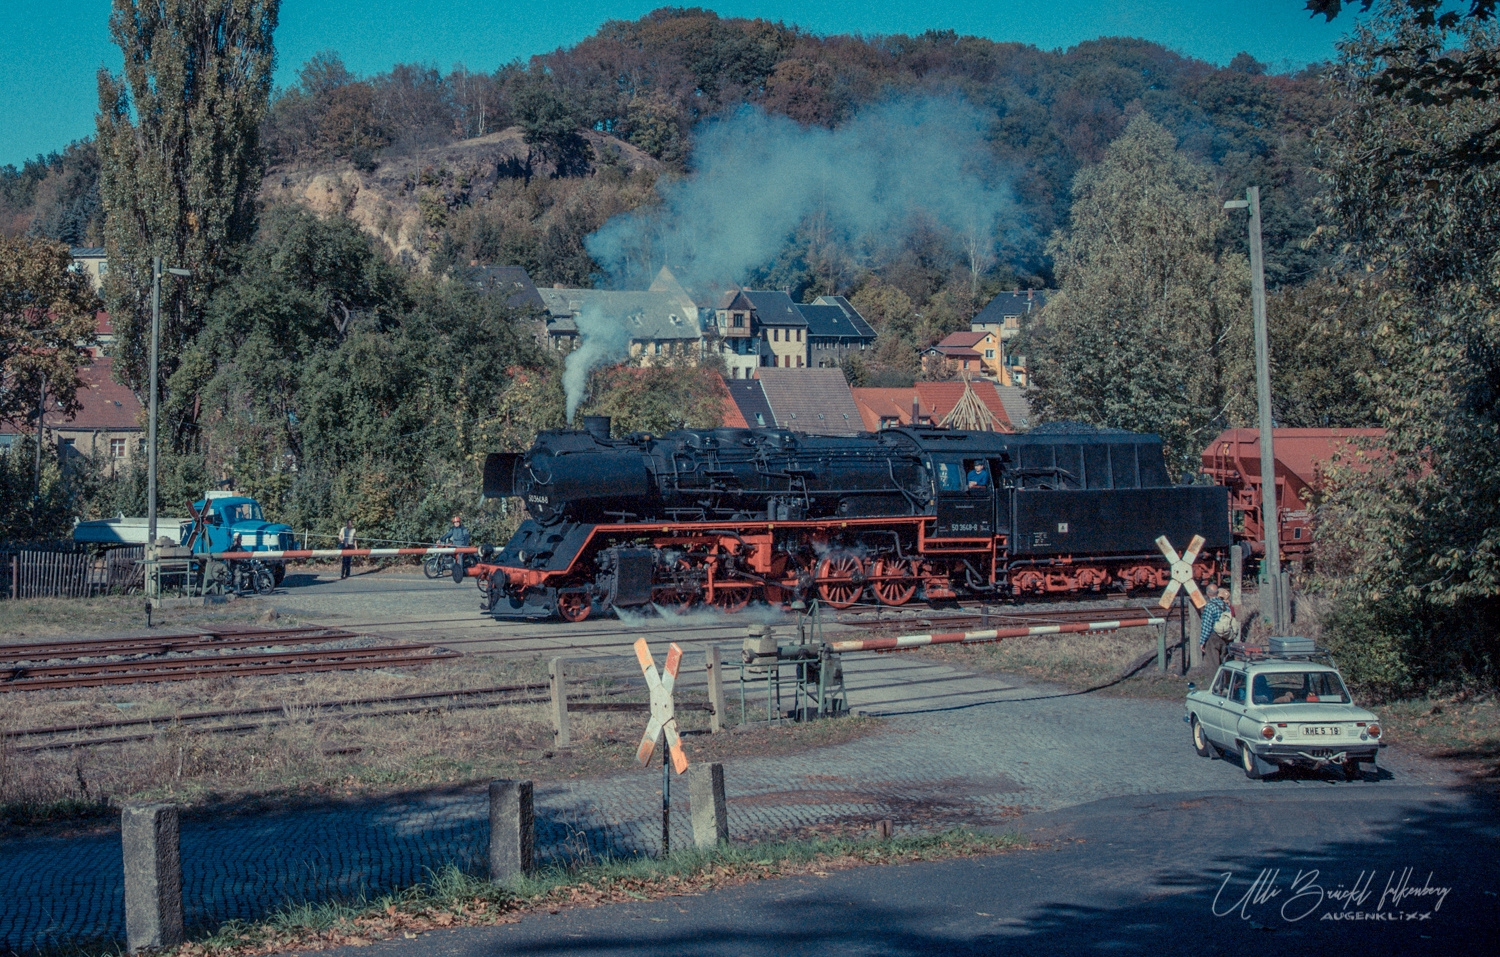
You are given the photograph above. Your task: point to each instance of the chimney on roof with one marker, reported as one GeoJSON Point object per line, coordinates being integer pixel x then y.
{"type": "Point", "coordinates": [1028, 294]}
{"type": "Point", "coordinates": [916, 408]}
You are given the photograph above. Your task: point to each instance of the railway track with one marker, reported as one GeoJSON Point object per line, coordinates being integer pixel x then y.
{"type": "Point", "coordinates": [187, 656]}
{"type": "Point", "coordinates": [183, 643]}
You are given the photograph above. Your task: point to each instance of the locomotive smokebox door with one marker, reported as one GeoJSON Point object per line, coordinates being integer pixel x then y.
{"type": "Point", "coordinates": [500, 474]}
{"type": "Point", "coordinates": [962, 512]}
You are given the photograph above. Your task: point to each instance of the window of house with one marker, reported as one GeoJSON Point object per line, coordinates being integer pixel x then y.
{"type": "Point", "coordinates": [989, 353]}
{"type": "Point", "coordinates": [117, 448]}
{"type": "Point", "coordinates": [799, 335]}
{"type": "Point", "coordinates": [775, 335]}
{"type": "Point", "coordinates": [800, 363]}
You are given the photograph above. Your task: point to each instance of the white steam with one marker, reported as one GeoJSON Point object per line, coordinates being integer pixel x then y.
{"type": "Point", "coordinates": [601, 339]}
{"type": "Point", "coordinates": [756, 177]}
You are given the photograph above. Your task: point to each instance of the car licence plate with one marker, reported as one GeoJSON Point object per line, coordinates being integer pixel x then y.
{"type": "Point", "coordinates": [1322, 729]}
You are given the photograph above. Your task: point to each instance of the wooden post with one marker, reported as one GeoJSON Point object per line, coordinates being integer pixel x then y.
{"type": "Point", "coordinates": [715, 668]}
{"type": "Point", "coordinates": [561, 737]}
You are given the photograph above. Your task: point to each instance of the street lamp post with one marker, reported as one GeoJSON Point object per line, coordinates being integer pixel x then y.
{"type": "Point", "coordinates": [156, 271]}
{"type": "Point", "coordinates": [1270, 513]}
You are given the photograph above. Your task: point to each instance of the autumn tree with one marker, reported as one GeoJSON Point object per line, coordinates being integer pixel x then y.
{"type": "Point", "coordinates": [1421, 237]}
{"type": "Point", "coordinates": [46, 322]}
{"type": "Point", "coordinates": [180, 159]}
{"type": "Point", "coordinates": [1150, 330]}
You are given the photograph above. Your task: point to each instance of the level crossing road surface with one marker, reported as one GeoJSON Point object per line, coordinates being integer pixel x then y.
{"type": "Point", "coordinates": [958, 749]}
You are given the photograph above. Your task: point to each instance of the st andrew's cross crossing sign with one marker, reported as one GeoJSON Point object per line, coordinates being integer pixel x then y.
{"type": "Point", "coordinates": [1182, 572]}
{"type": "Point", "coordinates": [662, 722]}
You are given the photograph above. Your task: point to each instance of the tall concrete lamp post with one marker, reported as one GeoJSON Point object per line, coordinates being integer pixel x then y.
{"type": "Point", "coordinates": [1270, 574]}
{"type": "Point", "coordinates": [156, 271]}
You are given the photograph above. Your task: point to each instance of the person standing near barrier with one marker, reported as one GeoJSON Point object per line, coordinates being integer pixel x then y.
{"type": "Point", "coordinates": [347, 540]}
{"type": "Point", "coordinates": [1219, 626]}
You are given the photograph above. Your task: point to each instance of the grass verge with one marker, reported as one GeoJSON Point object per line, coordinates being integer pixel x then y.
{"type": "Point", "coordinates": [452, 898]}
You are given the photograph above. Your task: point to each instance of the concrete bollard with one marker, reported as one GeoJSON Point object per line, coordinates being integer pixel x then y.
{"type": "Point", "coordinates": [512, 831]}
{"type": "Point", "coordinates": [153, 876]}
{"type": "Point", "coordinates": [706, 803]}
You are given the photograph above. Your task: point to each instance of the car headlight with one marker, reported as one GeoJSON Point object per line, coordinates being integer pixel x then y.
{"type": "Point", "coordinates": [1373, 730]}
{"type": "Point", "coordinates": [1268, 732]}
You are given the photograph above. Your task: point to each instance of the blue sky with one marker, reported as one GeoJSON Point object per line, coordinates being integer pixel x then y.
{"type": "Point", "coordinates": [51, 51]}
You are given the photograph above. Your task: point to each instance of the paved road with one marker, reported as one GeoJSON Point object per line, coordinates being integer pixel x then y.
{"type": "Point", "coordinates": [960, 749]}
{"type": "Point", "coordinates": [1405, 871]}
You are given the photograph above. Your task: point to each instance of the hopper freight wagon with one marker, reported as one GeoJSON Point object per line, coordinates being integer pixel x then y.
{"type": "Point", "coordinates": [729, 516]}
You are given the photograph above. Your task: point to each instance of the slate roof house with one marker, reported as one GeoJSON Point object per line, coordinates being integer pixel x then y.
{"type": "Point", "coordinates": [834, 331]}
{"type": "Point", "coordinates": [817, 401]}
{"type": "Point", "coordinates": [661, 324]}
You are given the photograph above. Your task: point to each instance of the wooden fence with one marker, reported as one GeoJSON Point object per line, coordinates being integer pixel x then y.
{"type": "Point", "coordinates": [68, 574]}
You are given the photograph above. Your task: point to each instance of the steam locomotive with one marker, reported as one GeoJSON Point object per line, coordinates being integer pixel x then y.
{"type": "Point", "coordinates": [729, 516]}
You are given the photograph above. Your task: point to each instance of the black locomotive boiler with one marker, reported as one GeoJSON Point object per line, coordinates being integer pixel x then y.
{"type": "Point", "coordinates": [728, 516]}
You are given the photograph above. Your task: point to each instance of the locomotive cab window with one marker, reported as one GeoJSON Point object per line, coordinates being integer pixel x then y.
{"type": "Point", "coordinates": [950, 475]}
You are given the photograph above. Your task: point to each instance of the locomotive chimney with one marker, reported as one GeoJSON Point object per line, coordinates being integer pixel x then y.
{"type": "Point", "coordinates": [597, 426]}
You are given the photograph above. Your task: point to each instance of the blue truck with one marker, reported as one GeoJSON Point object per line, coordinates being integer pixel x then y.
{"type": "Point", "coordinates": [218, 519]}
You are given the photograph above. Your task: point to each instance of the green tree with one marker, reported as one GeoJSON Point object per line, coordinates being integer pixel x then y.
{"type": "Point", "coordinates": [46, 323]}
{"type": "Point", "coordinates": [1420, 528]}
{"type": "Point", "coordinates": [1150, 330]}
{"type": "Point", "coordinates": [180, 159]}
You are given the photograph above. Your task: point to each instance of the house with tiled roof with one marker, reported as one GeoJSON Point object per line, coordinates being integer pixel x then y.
{"type": "Point", "coordinates": [935, 403]}
{"type": "Point", "coordinates": [881, 408]}
{"type": "Point", "coordinates": [974, 353]}
{"type": "Point", "coordinates": [107, 429]}
{"type": "Point", "coordinates": [817, 401]}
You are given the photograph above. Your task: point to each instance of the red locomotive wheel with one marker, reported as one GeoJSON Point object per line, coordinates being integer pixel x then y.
{"type": "Point", "coordinates": [678, 598]}
{"type": "Point", "coordinates": [729, 599]}
{"type": "Point", "coordinates": [848, 574]}
{"type": "Point", "coordinates": [896, 590]}
{"type": "Point", "coordinates": [573, 605]}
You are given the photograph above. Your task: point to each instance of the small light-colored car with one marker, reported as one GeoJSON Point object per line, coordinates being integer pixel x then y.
{"type": "Point", "coordinates": [1274, 710]}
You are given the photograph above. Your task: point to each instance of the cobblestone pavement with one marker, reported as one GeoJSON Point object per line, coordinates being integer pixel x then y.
{"type": "Point", "coordinates": [960, 749]}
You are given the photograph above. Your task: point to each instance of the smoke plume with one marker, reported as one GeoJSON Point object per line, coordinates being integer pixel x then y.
{"type": "Point", "coordinates": [755, 177]}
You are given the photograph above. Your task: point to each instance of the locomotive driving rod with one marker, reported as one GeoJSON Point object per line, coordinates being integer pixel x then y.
{"type": "Point", "coordinates": [351, 552]}
{"type": "Point", "coordinates": [975, 637]}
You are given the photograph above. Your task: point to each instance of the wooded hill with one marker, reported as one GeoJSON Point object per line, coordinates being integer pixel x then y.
{"type": "Point", "coordinates": [563, 142]}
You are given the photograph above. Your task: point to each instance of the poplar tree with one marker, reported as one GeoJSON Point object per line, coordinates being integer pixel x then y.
{"type": "Point", "coordinates": [1151, 328]}
{"type": "Point", "coordinates": [180, 160]}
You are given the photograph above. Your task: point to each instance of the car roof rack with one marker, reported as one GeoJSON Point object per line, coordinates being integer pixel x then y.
{"type": "Point", "coordinates": [1244, 652]}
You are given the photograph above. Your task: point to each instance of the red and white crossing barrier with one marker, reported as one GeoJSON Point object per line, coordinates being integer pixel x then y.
{"type": "Point", "coordinates": [350, 552]}
{"type": "Point", "coordinates": [975, 637]}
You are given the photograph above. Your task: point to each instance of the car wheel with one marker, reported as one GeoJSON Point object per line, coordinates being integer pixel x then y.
{"type": "Point", "coordinates": [1249, 763]}
{"type": "Point", "coordinates": [1351, 769]}
{"type": "Point", "coordinates": [1200, 740]}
